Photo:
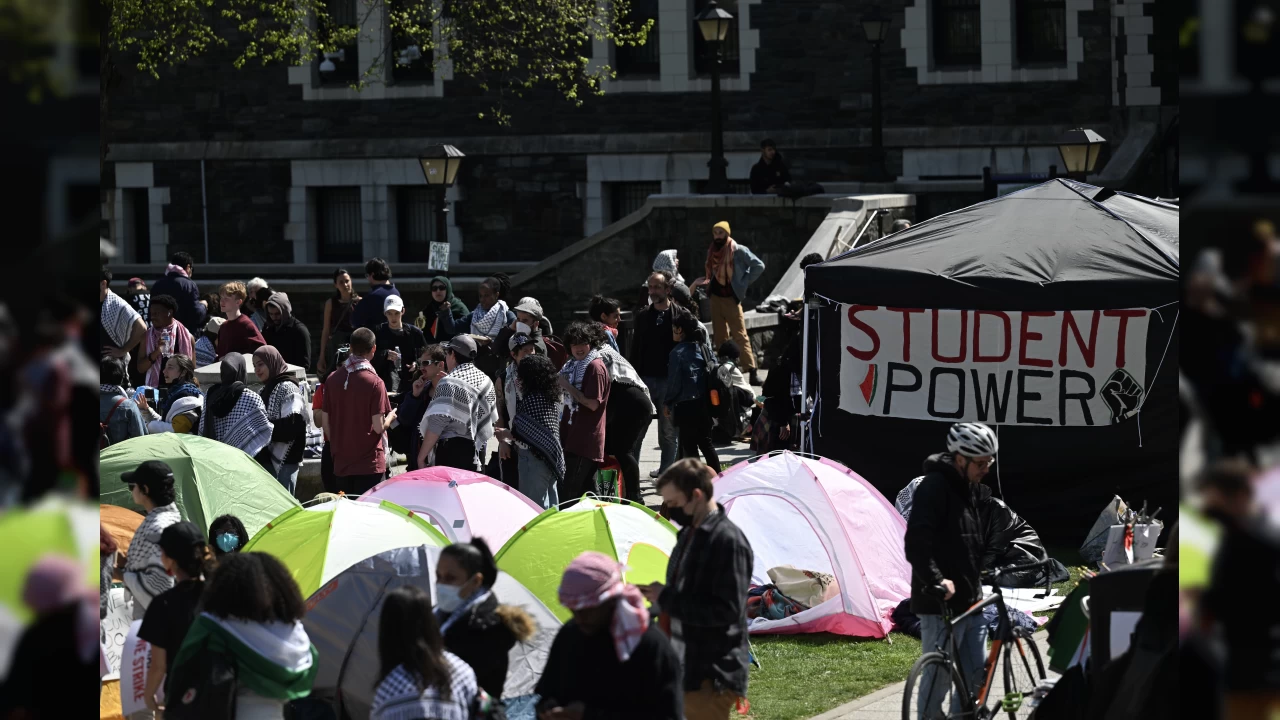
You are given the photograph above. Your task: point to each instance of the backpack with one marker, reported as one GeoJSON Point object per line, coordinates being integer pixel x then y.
{"type": "Point", "coordinates": [203, 688]}
{"type": "Point", "coordinates": [726, 410]}
{"type": "Point", "coordinates": [103, 440]}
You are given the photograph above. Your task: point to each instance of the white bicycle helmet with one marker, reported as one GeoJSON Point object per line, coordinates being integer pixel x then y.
{"type": "Point", "coordinates": [972, 440]}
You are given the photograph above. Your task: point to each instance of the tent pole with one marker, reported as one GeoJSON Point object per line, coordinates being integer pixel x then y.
{"type": "Point", "coordinates": [806, 443]}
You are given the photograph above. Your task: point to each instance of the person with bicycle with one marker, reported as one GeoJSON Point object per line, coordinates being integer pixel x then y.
{"type": "Point", "coordinates": [944, 544]}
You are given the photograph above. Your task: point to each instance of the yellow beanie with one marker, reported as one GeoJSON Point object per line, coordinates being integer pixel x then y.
{"type": "Point", "coordinates": [723, 224]}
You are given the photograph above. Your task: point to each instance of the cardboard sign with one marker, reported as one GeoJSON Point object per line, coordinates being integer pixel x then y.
{"type": "Point", "coordinates": [133, 672]}
{"type": "Point", "coordinates": [439, 258]}
{"type": "Point", "coordinates": [114, 628]}
{"type": "Point", "coordinates": [1052, 368]}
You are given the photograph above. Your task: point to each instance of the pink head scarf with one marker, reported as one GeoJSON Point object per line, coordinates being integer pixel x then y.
{"type": "Point", "coordinates": [55, 582]}
{"type": "Point", "coordinates": [593, 579]}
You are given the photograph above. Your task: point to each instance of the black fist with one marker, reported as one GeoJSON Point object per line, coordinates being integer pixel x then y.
{"type": "Point", "coordinates": [1122, 394]}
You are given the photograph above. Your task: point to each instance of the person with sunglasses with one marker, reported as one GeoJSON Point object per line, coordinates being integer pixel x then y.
{"type": "Point", "coordinates": [945, 543]}
{"type": "Point", "coordinates": [151, 488]}
{"type": "Point", "coordinates": [442, 317]}
{"type": "Point", "coordinates": [413, 405]}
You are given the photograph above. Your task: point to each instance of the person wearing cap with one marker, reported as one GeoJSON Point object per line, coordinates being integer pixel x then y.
{"type": "Point", "coordinates": [508, 391]}
{"type": "Point", "coordinates": [459, 421]}
{"type": "Point", "coordinates": [186, 556]}
{"type": "Point", "coordinates": [286, 333]}
{"type": "Point", "coordinates": [609, 637]}
{"type": "Point", "coordinates": [399, 345]}
{"type": "Point", "coordinates": [730, 268]}
{"type": "Point", "coordinates": [207, 343]}
{"type": "Point", "coordinates": [357, 415]}
{"type": "Point", "coordinates": [770, 174]}
{"type": "Point", "coordinates": [151, 487]}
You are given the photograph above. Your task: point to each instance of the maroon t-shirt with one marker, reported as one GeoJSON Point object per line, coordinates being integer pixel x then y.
{"type": "Point", "coordinates": [355, 448]}
{"type": "Point", "coordinates": [239, 335]}
{"type": "Point", "coordinates": [585, 436]}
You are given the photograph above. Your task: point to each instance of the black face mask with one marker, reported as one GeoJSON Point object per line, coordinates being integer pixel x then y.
{"type": "Point", "coordinates": [679, 516]}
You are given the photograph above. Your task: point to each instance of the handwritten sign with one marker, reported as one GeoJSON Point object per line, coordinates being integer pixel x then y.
{"type": "Point", "coordinates": [115, 626]}
{"type": "Point", "coordinates": [133, 672]}
{"type": "Point", "coordinates": [439, 256]}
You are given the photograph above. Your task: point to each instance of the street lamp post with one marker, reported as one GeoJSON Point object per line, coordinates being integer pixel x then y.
{"type": "Point", "coordinates": [876, 28]}
{"type": "Point", "coordinates": [714, 24]}
{"type": "Point", "coordinates": [1080, 149]}
{"type": "Point", "coordinates": [440, 167]}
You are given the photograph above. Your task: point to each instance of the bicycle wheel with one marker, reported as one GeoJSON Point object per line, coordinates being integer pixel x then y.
{"type": "Point", "coordinates": [1023, 672]}
{"type": "Point", "coordinates": [934, 691]}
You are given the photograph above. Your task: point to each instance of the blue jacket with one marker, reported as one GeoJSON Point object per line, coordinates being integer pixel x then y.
{"type": "Point", "coordinates": [183, 289]}
{"type": "Point", "coordinates": [126, 421]}
{"type": "Point", "coordinates": [686, 374]}
{"type": "Point", "coordinates": [368, 312]}
{"type": "Point", "coordinates": [746, 268]}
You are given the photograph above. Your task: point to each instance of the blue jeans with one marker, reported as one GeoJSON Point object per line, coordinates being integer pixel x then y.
{"type": "Point", "coordinates": [971, 648]}
{"type": "Point", "coordinates": [537, 480]}
{"type": "Point", "coordinates": [668, 437]}
{"type": "Point", "coordinates": [287, 476]}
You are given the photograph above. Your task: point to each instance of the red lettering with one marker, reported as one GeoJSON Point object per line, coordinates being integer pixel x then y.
{"type": "Point", "coordinates": [1008, 336]}
{"type": "Point", "coordinates": [1124, 316]}
{"type": "Point", "coordinates": [1026, 337]}
{"type": "Point", "coordinates": [1087, 350]}
{"type": "Point", "coordinates": [870, 331]}
{"type": "Point", "coordinates": [906, 329]}
{"type": "Point", "coordinates": [964, 335]}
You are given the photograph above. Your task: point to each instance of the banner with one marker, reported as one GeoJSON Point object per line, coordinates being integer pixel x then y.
{"type": "Point", "coordinates": [114, 628]}
{"type": "Point", "coordinates": [1052, 368]}
{"type": "Point", "coordinates": [133, 672]}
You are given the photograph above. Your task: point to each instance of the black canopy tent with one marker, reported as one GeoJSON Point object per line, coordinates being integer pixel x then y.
{"type": "Point", "coordinates": [1058, 246]}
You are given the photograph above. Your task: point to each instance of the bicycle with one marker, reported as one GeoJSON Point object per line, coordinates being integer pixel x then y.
{"type": "Point", "coordinates": [1021, 677]}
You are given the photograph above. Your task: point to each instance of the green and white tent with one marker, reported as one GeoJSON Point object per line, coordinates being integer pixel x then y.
{"type": "Point", "coordinates": [318, 542]}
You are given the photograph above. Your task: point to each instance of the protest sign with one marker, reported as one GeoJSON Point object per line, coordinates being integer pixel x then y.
{"type": "Point", "coordinates": [114, 628]}
{"type": "Point", "coordinates": [135, 660]}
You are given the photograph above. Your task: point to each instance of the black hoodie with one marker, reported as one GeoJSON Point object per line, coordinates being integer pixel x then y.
{"type": "Point", "coordinates": [289, 336]}
{"type": "Point", "coordinates": [944, 537]}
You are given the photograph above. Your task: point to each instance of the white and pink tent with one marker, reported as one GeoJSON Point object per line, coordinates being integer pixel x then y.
{"type": "Point", "coordinates": [461, 503]}
{"type": "Point", "coordinates": [815, 514]}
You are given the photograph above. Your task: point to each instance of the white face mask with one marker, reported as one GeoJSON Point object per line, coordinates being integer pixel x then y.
{"type": "Point", "coordinates": [522, 328]}
{"type": "Point", "coordinates": [447, 597]}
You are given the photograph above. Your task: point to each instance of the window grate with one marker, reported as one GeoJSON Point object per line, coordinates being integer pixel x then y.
{"type": "Point", "coordinates": [416, 222]}
{"type": "Point", "coordinates": [1042, 31]}
{"type": "Point", "coordinates": [643, 59]}
{"type": "Point", "coordinates": [730, 63]}
{"type": "Point", "coordinates": [338, 223]}
{"type": "Point", "coordinates": [628, 197]}
{"type": "Point", "coordinates": [957, 33]}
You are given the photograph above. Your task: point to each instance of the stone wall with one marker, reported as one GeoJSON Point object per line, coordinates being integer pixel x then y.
{"type": "Point", "coordinates": [521, 207]}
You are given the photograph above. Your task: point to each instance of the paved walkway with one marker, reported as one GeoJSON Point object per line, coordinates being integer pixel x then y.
{"type": "Point", "coordinates": [886, 703]}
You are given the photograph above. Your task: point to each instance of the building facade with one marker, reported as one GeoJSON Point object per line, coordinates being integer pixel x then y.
{"type": "Point", "coordinates": [290, 165]}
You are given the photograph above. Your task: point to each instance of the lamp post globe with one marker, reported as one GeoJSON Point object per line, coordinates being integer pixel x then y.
{"type": "Point", "coordinates": [1080, 148]}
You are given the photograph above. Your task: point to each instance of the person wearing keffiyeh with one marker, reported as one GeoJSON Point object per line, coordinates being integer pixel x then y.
{"type": "Point", "coordinates": [165, 338]}
{"type": "Point", "coordinates": [287, 413]}
{"type": "Point", "coordinates": [120, 326]}
{"type": "Point", "coordinates": [490, 315]}
{"type": "Point", "coordinates": [234, 416]}
{"type": "Point", "coordinates": [535, 431]}
{"type": "Point", "coordinates": [586, 383]}
{"type": "Point", "coordinates": [151, 485]}
{"type": "Point", "coordinates": [460, 419]}
{"type": "Point", "coordinates": [609, 637]}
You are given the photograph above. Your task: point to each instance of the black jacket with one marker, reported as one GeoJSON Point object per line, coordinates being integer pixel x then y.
{"type": "Point", "coordinates": [183, 289]}
{"type": "Point", "coordinates": [945, 537]}
{"type": "Point", "coordinates": [483, 637]}
{"type": "Point", "coordinates": [585, 668]}
{"type": "Point", "coordinates": [708, 578]}
{"type": "Point", "coordinates": [766, 175]}
{"type": "Point", "coordinates": [292, 339]}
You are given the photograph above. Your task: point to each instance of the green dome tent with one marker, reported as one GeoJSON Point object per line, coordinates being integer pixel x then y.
{"type": "Point", "coordinates": [209, 477]}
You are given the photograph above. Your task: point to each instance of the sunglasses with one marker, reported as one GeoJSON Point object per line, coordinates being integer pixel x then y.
{"type": "Point", "coordinates": [435, 288]}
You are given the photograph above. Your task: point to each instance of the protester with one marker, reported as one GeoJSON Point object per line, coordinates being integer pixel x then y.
{"type": "Point", "coordinates": [251, 615]}
{"type": "Point", "coordinates": [357, 415]}
{"type": "Point", "coordinates": [151, 488]}
{"type": "Point", "coordinates": [368, 312]}
{"type": "Point", "coordinates": [235, 416]}
{"type": "Point", "coordinates": [459, 421]}
{"type": "Point", "coordinates": [227, 535]}
{"type": "Point", "coordinates": [779, 402]}
{"type": "Point", "coordinates": [139, 297]}
{"type": "Point", "coordinates": [476, 628]}
{"type": "Point", "coordinates": [528, 320]}
{"type": "Point", "coordinates": [627, 414]}
{"type": "Point", "coordinates": [508, 391]}
{"type": "Point", "coordinates": [177, 284]}
{"type": "Point", "coordinates": [730, 268]}
{"type": "Point", "coordinates": [535, 431]}
{"type": "Point", "coordinates": [207, 343]}
{"type": "Point", "coordinates": [60, 645]}
{"type": "Point", "coordinates": [399, 346]}
{"type": "Point", "coordinates": [609, 660]}
{"type": "Point", "coordinates": [900, 224]}
{"type": "Point", "coordinates": [337, 327]}
{"type": "Point", "coordinates": [187, 557]}
{"type": "Point", "coordinates": [490, 315]}
{"type": "Point", "coordinates": [165, 338]}
{"type": "Point", "coordinates": [120, 327]}
{"type": "Point", "coordinates": [731, 411]}
{"type": "Point", "coordinates": [180, 409]}
{"type": "Point", "coordinates": [286, 410]}
{"type": "Point", "coordinates": [608, 313]}
{"type": "Point", "coordinates": [685, 400]}
{"type": "Point", "coordinates": [944, 544]}
{"type": "Point", "coordinates": [259, 292]}
{"type": "Point", "coordinates": [705, 595]}
{"type": "Point", "coordinates": [650, 354]}
{"type": "Point", "coordinates": [669, 261]}
{"type": "Point", "coordinates": [770, 174]}
{"type": "Point", "coordinates": [445, 315]}
{"type": "Point", "coordinates": [417, 677]}
{"type": "Point", "coordinates": [238, 334]}
{"type": "Point", "coordinates": [286, 333]}
{"type": "Point", "coordinates": [120, 418]}
{"type": "Point", "coordinates": [413, 404]}
{"type": "Point", "coordinates": [586, 383]}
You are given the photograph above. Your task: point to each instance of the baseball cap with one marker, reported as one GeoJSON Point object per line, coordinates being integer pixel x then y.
{"type": "Point", "coordinates": [518, 341]}
{"type": "Point", "coordinates": [393, 302]}
{"type": "Point", "coordinates": [463, 346]}
{"type": "Point", "coordinates": [152, 474]}
{"type": "Point", "coordinates": [531, 306]}
{"type": "Point", "coordinates": [214, 324]}
{"type": "Point", "coordinates": [177, 540]}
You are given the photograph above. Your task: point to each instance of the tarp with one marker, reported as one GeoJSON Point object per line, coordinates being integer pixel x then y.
{"type": "Point", "coordinates": [318, 542]}
{"type": "Point", "coordinates": [210, 479]}
{"type": "Point", "coordinates": [460, 503]}
{"type": "Point", "coordinates": [1083, 409]}
{"type": "Point", "coordinates": [818, 515]}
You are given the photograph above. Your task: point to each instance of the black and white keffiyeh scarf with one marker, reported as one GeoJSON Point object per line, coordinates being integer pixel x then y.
{"type": "Point", "coordinates": [576, 370]}
{"type": "Point", "coordinates": [621, 371]}
{"type": "Point", "coordinates": [144, 574]}
{"type": "Point", "coordinates": [537, 425]}
{"type": "Point", "coordinates": [117, 318]}
{"type": "Point", "coordinates": [285, 401]}
{"type": "Point", "coordinates": [400, 695]}
{"type": "Point", "coordinates": [489, 323]}
{"type": "Point", "coordinates": [110, 390]}
{"type": "Point", "coordinates": [466, 396]}
{"type": "Point", "coordinates": [511, 391]}
{"type": "Point", "coordinates": [245, 427]}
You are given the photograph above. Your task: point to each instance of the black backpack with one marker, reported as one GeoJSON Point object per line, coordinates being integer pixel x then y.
{"type": "Point", "coordinates": [726, 409]}
{"type": "Point", "coordinates": [203, 688]}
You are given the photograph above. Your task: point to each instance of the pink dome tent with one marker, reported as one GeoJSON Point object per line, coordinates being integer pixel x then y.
{"type": "Point", "coordinates": [815, 514]}
{"type": "Point", "coordinates": [461, 503]}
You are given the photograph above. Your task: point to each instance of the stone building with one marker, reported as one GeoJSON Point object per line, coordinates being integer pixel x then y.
{"type": "Point", "coordinates": [289, 165]}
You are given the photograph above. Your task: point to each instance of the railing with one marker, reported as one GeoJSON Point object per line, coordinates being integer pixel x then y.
{"type": "Point", "coordinates": [840, 246]}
